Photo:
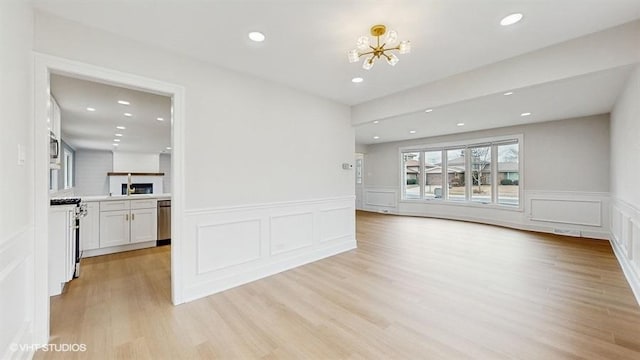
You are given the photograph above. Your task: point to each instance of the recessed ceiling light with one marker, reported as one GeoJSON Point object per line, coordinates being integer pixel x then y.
{"type": "Point", "coordinates": [118, 135]}
{"type": "Point", "coordinates": [376, 137]}
{"type": "Point", "coordinates": [428, 110]}
{"type": "Point", "coordinates": [115, 144]}
{"type": "Point", "coordinates": [460, 124]}
{"type": "Point", "coordinates": [160, 119]}
{"type": "Point", "coordinates": [525, 114]}
{"type": "Point", "coordinates": [128, 115]}
{"type": "Point", "coordinates": [91, 109]}
{"type": "Point", "coordinates": [412, 131]}
{"type": "Point", "coordinates": [168, 148]}
{"type": "Point", "coordinates": [511, 19]}
{"type": "Point", "coordinates": [357, 80]}
{"type": "Point", "coordinates": [256, 36]}
{"type": "Point", "coordinates": [123, 102]}
{"type": "Point", "coordinates": [376, 121]}
{"type": "Point", "coordinates": [508, 93]}
{"type": "Point", "coordinates": [120, 127]}
{"type": "Point", "coordinates": [116, 140]}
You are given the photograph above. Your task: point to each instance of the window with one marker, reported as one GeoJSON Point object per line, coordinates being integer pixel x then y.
{"type": "Point", "coordinates": [509, 174]}
{"type": "Point", "coordinates": [456, 171]}
{"type": "Point", "coordinates": [412, 167]}
{"type": "Point", "coordinates": [433, 174]}
{"type": "Point", "coordinates": [68, 169]}
{"type": "Point", "coordinates": [482, 172]}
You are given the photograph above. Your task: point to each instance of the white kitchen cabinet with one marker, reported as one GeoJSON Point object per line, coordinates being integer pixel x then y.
{"type": "Point", "coordinates": [114, 228]}
{"type": "Point", "coordinates": [62, 246]}
{"type": "Point", "coordinates": [144, 225]}
{"type": "Point", "coordinates": [90, 227]}
{"type": "Point", "coordinates": [127, 222]}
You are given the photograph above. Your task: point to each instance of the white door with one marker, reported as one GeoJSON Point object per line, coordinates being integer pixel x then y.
{"type": "Point", "coordinates": [114, 228]}
{"type": "Point", "coordinates": [144, 225]}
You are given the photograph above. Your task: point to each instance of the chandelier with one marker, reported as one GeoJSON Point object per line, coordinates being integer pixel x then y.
{"type": "Point", "coordinates": [383, 47]}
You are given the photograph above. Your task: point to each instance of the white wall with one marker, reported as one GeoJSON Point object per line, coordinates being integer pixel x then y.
{"type": "Point", "coordinates": [625, 172]}
{"type": "Point", "coordinates": [17, 307]}
{"type": "Point", "coordinates": [92, 167]}
{"type": "Point", "coordinates": [564, 160]}
{"type": "Point", "coordinates": [135, 162]}
{"type": "Point", "coordinates": [269, 149]}
{"type": "Point", "coordinates": [165, 167]}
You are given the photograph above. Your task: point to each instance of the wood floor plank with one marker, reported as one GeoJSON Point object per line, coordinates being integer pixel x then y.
{"type": "Point", "coordinates": [414, 288]}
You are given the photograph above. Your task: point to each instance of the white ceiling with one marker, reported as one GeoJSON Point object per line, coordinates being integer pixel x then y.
{"type": "Point", "coordinates": [83, 129]}
{"type": "Point", "coordinates": [590, 94]}
{"type": "Point", "coordinates": [307, 42]}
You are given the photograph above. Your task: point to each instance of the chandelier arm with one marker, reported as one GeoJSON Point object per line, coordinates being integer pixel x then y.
{"type": "Point", "coordinates": [366, 53]}
{"type": "Point", "coordinates": [387, 56]}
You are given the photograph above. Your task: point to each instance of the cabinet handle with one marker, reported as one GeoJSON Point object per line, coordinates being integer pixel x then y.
{"type": "Point", "coordinates": [126, 217]}
{"type": "Point", "coordinates": [133, 216]}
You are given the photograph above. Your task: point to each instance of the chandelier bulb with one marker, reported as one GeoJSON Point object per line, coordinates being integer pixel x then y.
{"type": "Point", "coordinates": [368, 63]}
{"type": "Point", "coordinates": [353, 56]}
{"type": "Point", "coordinates": [392, 59]}
{"type": "Point", "coordinates": [404, 47]}
{"type": "Point", "coordinates": [362, 43]}
{"type": "Point", "coordinates": [392, 37]}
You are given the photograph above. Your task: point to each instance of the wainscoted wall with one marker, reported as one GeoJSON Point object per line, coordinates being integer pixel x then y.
{"type": "Point", "coordinates": [16, 280]}
{"type": "Point", "coordinates": [563, 212]}
{"type": "Point", "coordinates": [625, 240]}
{"type": "Point", "coordinates": [382, 199]}
{"type": "Point", "coordinates": [236, 245]}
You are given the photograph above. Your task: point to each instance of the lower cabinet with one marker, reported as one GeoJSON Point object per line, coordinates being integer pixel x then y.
{"type": "Point", "coordinates": [127, 222]}
{"type": "Point", "coordinates": [90, 227]}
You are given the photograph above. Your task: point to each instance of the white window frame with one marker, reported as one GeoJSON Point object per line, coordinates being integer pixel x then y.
{"type": "Point", "coordinates": [466, 144]}
{"type": "Point", "coordinates": [68, 168]}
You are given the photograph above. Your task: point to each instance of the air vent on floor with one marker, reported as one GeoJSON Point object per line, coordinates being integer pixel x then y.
{"type": "Point", "coordinates": [567, 232]}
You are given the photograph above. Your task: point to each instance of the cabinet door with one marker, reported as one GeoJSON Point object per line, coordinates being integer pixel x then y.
{"type": "Point", "coordinates": [144, 225]}
{"type": "Point", "coordinates": [90, 227]}
{"type": "Point", "coordinates": [114, 228]}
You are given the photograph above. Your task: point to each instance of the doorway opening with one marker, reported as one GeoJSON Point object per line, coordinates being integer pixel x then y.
{"type": "Point", "coordinates": [48, 70]}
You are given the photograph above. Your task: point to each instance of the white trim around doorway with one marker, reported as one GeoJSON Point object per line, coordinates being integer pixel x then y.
{"type": "Point", "coordinates": [44, 65]}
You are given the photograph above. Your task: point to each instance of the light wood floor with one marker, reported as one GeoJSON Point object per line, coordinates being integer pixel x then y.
{"type": "Point", "coordinates": [414, 288]}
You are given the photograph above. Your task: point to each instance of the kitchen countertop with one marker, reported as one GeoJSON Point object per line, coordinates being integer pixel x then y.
{"type": "Point", "coordinates": [93, 198]}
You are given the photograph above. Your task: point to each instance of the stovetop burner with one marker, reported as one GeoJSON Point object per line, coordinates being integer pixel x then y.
{"type": "Point", "coordinates": [65, 201]}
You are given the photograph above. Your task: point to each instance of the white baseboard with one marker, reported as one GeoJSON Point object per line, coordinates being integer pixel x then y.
{"type": "Point", "coordinates": [593, 234]}
{"type": "Point", "coordinates": [117, 249]}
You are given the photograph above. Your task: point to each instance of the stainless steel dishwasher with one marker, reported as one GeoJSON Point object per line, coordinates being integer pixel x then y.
{"type": "Point", "coordinates": [164, 222]}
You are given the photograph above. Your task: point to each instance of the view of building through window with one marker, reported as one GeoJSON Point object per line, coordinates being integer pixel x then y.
{"type": "Point", "coordinates": [484, 174]}
{"type": "Point", "coordinates": [412, 175]}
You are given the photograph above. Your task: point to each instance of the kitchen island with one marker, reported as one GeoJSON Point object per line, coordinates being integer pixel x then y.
{"type": "Point", "coordinates": [119, 223]}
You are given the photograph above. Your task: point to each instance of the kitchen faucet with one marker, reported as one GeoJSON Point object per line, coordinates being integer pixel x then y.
{"type": "Point", "coordinates": [130, 190]}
